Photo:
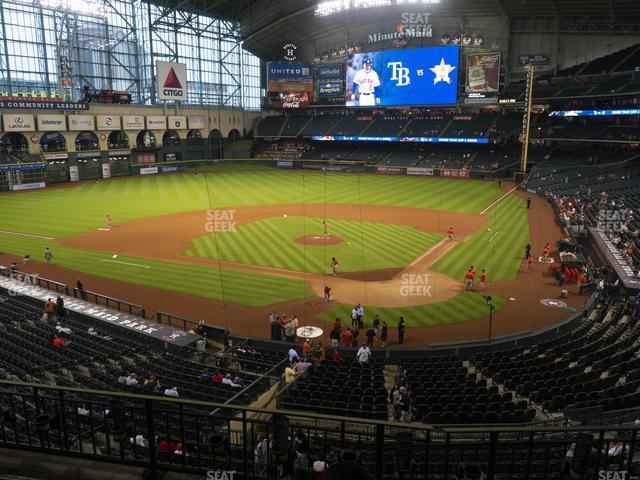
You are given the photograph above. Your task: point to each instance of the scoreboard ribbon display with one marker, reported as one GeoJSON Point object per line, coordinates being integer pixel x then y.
{"type": "Point", "coordinates": [424, 76]}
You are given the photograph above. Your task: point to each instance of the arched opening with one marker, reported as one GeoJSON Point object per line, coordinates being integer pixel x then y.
{"type": "Point", "coordinates": [171, 139]}
{"type": "Point", "coordinates": [14, 142]}
{"type": "Point", "coordinates": [86, 141]}
{"type": "Point", "coordinates": [117, 139]}
{"type": "Point", "coordinates": [53, 142]}
{"type": "Point", "coordinates": [146, 139]}
{"type": "Point", "coordinates": [234, 135]}
{"type": "Point", "coordinates": [194, 134]}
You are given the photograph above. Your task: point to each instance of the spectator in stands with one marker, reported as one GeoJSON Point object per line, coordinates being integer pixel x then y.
{"type": "Point", "coordinates": [301, 445]}
{"type": "Point", "coordinates": [241, 383]}
{"type": "Point", "coordinates": [403, 406]}
{"type": "Point", "coordinates": [139, 441]}
{"type": "Point", "coordinates": [60, 328]}
{"type": "Point", "coordinates": [289, 374]}
{"type": "Point", "coordinates": [307, 349]}
{"type": "Point", "coordinates": [151, 384]}
{"type": "Point", "coordinates": [336, 356]}
{"type": "Point", "coordinates": [166, 446]}
{"type": "Point", "coordinates": [131, 380]}
{"type": "Point", "coordinates": [376, 324]}
{"type": "Point", "coordinates": [290, 331]}
{"type": "Point", "coordinates": [81, 290]}
{"type": "Point", "coordinates": [293, 355]}
{"type": "Point", "coordinates": [274, 321]}
{"type": "Point", "coordinates": [60, 311]}
{"type": "Point", "coordinates": [371, 336]}
{"type": "Point", "coordinates": [401, 331]}
{"type": "Point", "coordinates": [347, 337]}
{"type": "Point", "coordinates": [229, 381]}
{"type": "Point", "coordinates": [401, 378]}
{"type": "Point", "coordinates": [92, 332]}
{"type": "Point", "coordinates": [217, 378]}
{"type": "Point", "coordinates": [205, 376]}
{"type": "Point", "coordinates": [319, 354]}
{"type": "Point", "coordinates": [261, 456]}
{"type": "Point", "coordinates": [364, 354]}
{"type": "Point", "coordinates": [384, 333]}
{"type": "Point", "coordinates": [171, 392]}
{"type": "Point", "coordinates": [334, 335]}
{"type": "Point", "coordinates": [49, 309]}
{"type": "Point", "coordinates": [58, 342]}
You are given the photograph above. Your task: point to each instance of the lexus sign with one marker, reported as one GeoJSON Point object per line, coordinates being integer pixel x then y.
{"type": "Point", "coordinates": [172, 81]}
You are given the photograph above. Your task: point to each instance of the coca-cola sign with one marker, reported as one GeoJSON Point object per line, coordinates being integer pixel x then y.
{"type": "Point", "coordinates": [291, 100]}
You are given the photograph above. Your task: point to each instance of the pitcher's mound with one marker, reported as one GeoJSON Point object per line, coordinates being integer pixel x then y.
{"type": "Point", "coordinates": [319, 240]}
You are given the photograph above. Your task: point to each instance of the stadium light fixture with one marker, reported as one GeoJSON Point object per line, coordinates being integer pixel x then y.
{"type": "Point", "coordinates": [330, 7]}
{"type": "Point", "coordinates": [94, 8]}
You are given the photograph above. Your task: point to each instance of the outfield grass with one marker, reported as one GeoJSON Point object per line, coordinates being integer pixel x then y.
{"type": "Point", "coordinates": [463, 306]}
{"type": "Point", "coordinates": [498, 249]}
{"type": "Point", "coordinates": [270, 242]}
{"type": "Point", "coordinates": [63, 212]}
{"type": "Point", "coordinates": [232, 286]}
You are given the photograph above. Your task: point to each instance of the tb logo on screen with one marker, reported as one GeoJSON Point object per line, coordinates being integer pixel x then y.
{"type": "Point", "coordinates": [399, 73]}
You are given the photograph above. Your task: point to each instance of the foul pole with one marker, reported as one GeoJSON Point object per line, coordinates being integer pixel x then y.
{"type": "Point", "coordinates": [524, 135]}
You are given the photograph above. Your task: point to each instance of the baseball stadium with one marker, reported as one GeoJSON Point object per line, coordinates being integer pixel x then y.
{"type": "Point", "coordinates": [320, 239]}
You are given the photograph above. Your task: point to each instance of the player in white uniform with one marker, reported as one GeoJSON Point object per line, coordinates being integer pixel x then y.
{"type": "Point", "coordinates": [365, 82]}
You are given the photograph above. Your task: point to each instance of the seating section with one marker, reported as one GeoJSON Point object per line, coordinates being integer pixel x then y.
{"type": "Point", "coordinates": [270, 126]}
{"type": "Point", "coordinates": [344, 389]}
{"type": "Point", "coordinates": [443, 391]}
{"type": "Point", "coordinates": [588, 366]}
{"type": "Point", "coordinates": [102, 361]}
{"type": "Point", "coordinates": [294, 124]}
{"type": "Point", "coordinates": [351, 125]}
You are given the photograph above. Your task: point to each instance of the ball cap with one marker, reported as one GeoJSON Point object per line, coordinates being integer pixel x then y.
{"type": "Point", "coordinates": [368, 61]}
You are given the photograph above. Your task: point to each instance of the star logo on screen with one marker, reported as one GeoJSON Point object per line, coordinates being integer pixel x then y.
{"type": "Point", "coordinates": [442, 72]}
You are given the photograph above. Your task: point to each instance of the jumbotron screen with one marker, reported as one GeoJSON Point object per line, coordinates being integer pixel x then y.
{"type": "Point", "coordinates": [422, 76]}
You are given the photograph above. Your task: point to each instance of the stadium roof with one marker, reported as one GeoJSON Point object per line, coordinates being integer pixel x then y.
{"type": "Point", "coordinates": [266, 24]}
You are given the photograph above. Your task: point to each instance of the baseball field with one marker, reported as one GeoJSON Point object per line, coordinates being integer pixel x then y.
{"type": "Point", "coordinates": [256, 238]}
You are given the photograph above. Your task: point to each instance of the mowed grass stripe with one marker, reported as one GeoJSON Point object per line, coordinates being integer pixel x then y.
{"type": "Point", "coordinates": [239, 287]}
{"type": "Point", "coordinates": [271, 243]}
{"type": "Point", "coordinates": [464, 306]}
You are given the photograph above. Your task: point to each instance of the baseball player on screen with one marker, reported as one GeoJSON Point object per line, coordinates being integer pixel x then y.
{"type": "Point", "coordinates": [365, 83]}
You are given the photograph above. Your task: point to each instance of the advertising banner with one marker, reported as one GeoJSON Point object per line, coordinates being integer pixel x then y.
{"type": "Point", "coordinates": [330, 89]}
{"type": "Point", "coordinates": [172, 81]}
{"type": "Point", "coordinates": [196, 123]}
{"type": "Point", "coordinates": [291, 100]}
{"type": "Point", "coordinates": [74, 175]}
{"type": "Point", "coordinates": [534, 59]}
{"type": "Point", "coordinates": [289, 72]}
{"type": "Point", "coordinates": [177, 122]}
{"type": "Point", "coordinates": [133, 122]}
{"type": "Point", "coordinates": [17, 103]}
{"type": "Point", "coordinates": [28, 186]}
{"type": "Point", "coordinates": [333, 71]}
{"type": "Point", "coordinates": [16, 122]}
{"type": "Point", "coordinates": [156, 122]}
{"type": "Point", "coordinates": [51, 123]}
{"type": "Point", "coordinates": [355, 138]}
{"type": "Point", "coordinates": [391, 170]}
{"type": "Point", "coordinates": [81, 122]}
{"type": "Point", "coordinates": [108, 122]}
{"type": "Point", "coordinates": [424, 76]}
{"type": "Point", "coordinates": [454, 173]}
{"type": "Point", "coordinates": [284, 164]}
{"type": "Point", "coordinates": [106, 170]}
{"type": "Point", "coordinates": [148, 170]}
{"type": "Point", "coordinates": [419, 171]}
{"type": "Point", "coordinates": [483, 72]}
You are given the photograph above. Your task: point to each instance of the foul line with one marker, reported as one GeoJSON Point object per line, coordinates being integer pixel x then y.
{"type": "Point", "coordinates": [26, 235]}
{"type": "Point", "coordinates": [494, 236]}
{"type": "Point", "coordinates": [126, 263]}
{"type": "Point", "coordinates": [494, 203]}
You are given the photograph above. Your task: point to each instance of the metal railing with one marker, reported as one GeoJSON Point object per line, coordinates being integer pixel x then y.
{"type": "Point", "coordinates": [109, 302]}
{"type": "Point", "coordinates": [212, 332]}
{"type": "Point", "coordinates": [180, 435]}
